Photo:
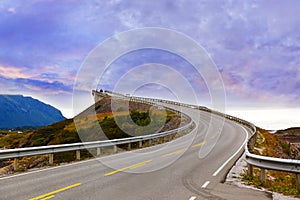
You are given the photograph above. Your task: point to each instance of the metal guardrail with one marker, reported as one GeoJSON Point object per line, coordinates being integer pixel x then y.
{"type": "Point", "coordinates": [279, 164]}
{"type": "Point", "coordinates": [32, 151]}
{"type": "Point", "coordinates": [148, 100]}
{"type": "Point", "coordinates": [270, 163]}
{"type": "Point", "coordinates": [263, 162]}
{"type": "Point", "coordinates": [51, 149]}
{"type": "Point", "coordinates": [266, 162]}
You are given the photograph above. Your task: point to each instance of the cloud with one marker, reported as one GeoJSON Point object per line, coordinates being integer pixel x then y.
{"type": "Point", "coordinates": [42, 74]}
{"type": "Point", "coordinates": [12, 10]}
{"type": "Point", "coordinates": [12, 72]}
{"type": "Point", "coordinates": [43, 86]}
{"type": "Point", "coordinates": [12, 84]}
{"type": "Point", "coordinates": [255, 44]}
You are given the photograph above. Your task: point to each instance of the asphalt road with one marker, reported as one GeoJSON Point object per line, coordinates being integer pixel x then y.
{"type": "Point", "coordinates": [168, 171]}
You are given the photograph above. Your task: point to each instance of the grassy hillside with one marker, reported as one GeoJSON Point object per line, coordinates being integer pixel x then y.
{"type": "Point", "coordinates": [294, 130]}
{"type": "Point", "coordinates": [99, 114]}
{"type": "Point", "coordinates": [268, 144]}
{"type": "Point", "coordinates": [65, 131]}
{"type": "Point", "coordinates": [291, 135]}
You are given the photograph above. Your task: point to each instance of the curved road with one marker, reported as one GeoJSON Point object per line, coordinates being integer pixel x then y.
{"type": "Point", "coordinates": [168, 171]}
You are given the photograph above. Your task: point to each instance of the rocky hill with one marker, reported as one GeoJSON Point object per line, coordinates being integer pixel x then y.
{"type": "Point", "coordinates": [19, 111]}
{"type": "Point", "coordinates": [66, 132]}
{"type": "Point", "coordinates": [291, 135]}
{"type": "Point", "coordinates": [275, 145]}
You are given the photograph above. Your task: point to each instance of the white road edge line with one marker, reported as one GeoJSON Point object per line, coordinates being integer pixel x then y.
{"type": "Point", "coordinates": [205, 184]}
{"type": "Point", "coordinates": [227, 161]}
{"type": "Point", "coordinates": [47, 169]}
{"type": "Point", "coordinates": [192, 198]}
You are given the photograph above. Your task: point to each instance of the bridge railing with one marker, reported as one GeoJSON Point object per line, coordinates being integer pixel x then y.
{"type": "Point", "coordinates": [254, 160]}
{"type": "Point", "coordinates": [270, 163]}
{"type": "Point", "coordinates": [51, 149]}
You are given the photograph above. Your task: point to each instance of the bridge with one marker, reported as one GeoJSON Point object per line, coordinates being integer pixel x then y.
{"type": "Point", "coordinates": [180, 173]}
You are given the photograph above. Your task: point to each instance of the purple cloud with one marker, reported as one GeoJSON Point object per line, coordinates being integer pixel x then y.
{"type": "Point", "coordinates": [25, 84]}
{"type": "Point", "coordinates": [255, 45]}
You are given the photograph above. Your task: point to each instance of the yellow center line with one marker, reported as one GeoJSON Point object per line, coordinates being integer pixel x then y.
{"type": "Point", "coordinates": [173, 153]}
{"type": "Point", "coordinates": [199, 144]}
{"type": "Point", "coordinates": [145, 162]}
{"type": "Point", "coordinates": [128, 167]}
{"type": "Point", "coordinates": [49, 197]}
{"type": "Point", "coordinates": [51, 194]}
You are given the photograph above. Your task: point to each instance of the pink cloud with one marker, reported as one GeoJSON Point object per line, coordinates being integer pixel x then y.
{"type": "Point", "coordinates": [13, 72]}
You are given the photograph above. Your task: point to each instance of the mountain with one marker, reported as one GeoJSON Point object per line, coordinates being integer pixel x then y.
{"type": "Point", "coordinates": [66, 131]}
{"type": "Point", "coordinates": [291, 135]}
{"type": "Point", "coordinates": [18, 111]}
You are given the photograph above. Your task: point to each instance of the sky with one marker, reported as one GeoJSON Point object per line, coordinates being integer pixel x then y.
{"type": "Point", "coordinates": [255, 46]}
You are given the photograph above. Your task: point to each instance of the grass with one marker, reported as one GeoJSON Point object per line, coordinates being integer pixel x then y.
{"type": "Point", "coordinates": [282, 182]}
{"type": "Point", "coordinates": [65, 132]}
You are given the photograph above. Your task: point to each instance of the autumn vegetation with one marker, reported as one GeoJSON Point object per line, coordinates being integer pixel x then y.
{"type": "Point", "coordinates": [268, 144]}
{"type": "Point", "coordinates": [141, 119]}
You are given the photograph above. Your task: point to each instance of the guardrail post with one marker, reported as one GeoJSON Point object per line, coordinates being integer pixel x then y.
{"type": "Point", "coordinates": [250, 169]}
{"type": "Point", "coordinates": [16, 164]}
{"type": "Point", "coordinates": [298, 181]}
{"type": "Point", "coordinates": [147, 141]}
{"type": "Point", "coordinates": [115, 149]}
{"type": "Point", "coordinates": [77, 154]}
{"type": "Point", "coordinates": [263, 175]}
{"type": "Point", "coordinates": [169, 138]}
{"type": "Point", "coordinates": [140, 144]}
{"type": "Point", "coordinates": [98, 151]}
{"type": "Point", "coordinates": [51, 158]}
{"type": "Point", "coordinates": [129, 146]}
